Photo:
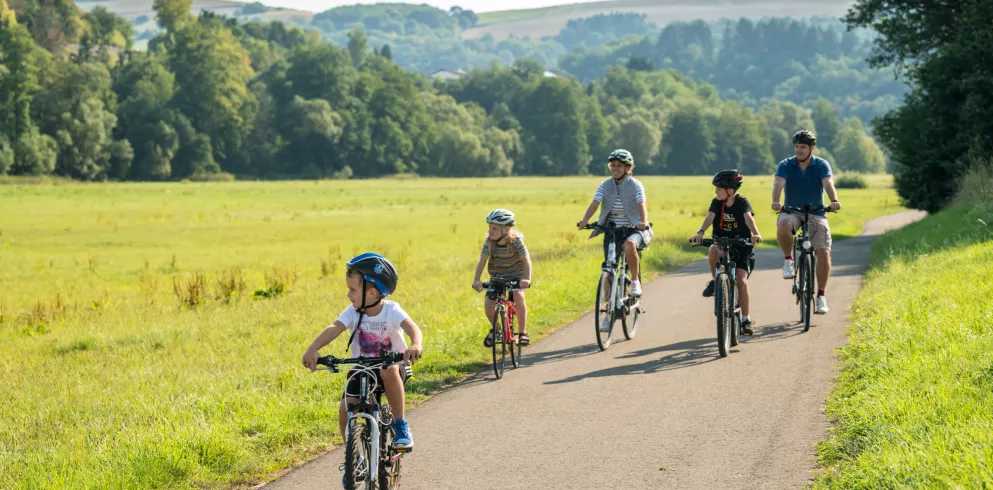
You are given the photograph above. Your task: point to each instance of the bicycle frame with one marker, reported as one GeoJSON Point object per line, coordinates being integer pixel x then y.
{"type": "Point", "coordinates": [803, 252]}
{"type": "Point", "coordinates": [727, 266]}
{"type": "Point", "coordinates": [616, 265]}
{"type": "Point", "coordinates": [504, 304]}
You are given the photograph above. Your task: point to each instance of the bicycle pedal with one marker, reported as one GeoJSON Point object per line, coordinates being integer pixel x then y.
{"type": "Point", "coordinates": [403, 450]}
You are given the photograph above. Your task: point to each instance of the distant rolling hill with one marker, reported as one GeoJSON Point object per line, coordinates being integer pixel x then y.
{"type": "Point", "coordinates": [550, 20]}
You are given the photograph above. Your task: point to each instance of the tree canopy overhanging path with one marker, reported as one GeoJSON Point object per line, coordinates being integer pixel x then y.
{"type": "Point", "coordinates": [660, 411]}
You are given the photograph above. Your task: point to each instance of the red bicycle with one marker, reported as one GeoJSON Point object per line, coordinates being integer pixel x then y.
{"type": "Point", "coordinates": [503, 324]}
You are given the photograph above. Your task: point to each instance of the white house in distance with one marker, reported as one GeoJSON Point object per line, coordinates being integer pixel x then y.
{"type": "Point", "coordinates": [448, 74]}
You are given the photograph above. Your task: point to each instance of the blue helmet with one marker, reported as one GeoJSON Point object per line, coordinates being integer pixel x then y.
{"type": "Point", "coordinates": [376, 270]}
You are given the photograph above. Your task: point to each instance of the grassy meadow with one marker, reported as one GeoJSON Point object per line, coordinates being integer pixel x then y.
{"type": "Point", "coordinates": [134, 353]}
{"type": "Point", "coordinates": [914, 403]}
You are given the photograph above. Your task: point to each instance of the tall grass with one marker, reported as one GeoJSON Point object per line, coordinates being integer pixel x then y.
{"type": "Point", "coordinates": [142, 381]}
{"type": "Point", "coordinates": [914, 404]}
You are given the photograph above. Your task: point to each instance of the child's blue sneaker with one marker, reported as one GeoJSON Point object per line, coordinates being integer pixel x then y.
{"type": "Point", "coordinates": [403, 437]}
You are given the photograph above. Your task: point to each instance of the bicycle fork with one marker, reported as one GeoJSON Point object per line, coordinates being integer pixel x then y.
{"type": "Point", "coordinates": [372, 426]}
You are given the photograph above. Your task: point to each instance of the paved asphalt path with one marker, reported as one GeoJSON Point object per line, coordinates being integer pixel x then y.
{"type": "Point", "coordinates": [660, 411]}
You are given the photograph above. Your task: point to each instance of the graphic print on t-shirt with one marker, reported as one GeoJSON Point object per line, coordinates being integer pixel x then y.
{"type": "Point", "coordinates": [373, 336]}
{"type": "Point", "coordinates": [730, 220]}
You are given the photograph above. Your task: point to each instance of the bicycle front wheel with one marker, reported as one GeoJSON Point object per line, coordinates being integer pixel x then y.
{"type": "Point", "coordinates": [499, 344]}
{"type": "Point", "coordinates": [724, 312]}
{"type": "Point", "coordinates": [629, 320]}
{"type": "Point", "coordinates": [357, 451]}
{"type": "Point", "coordinates": [807, 279]}
{"type": "Point", "coordinates": [515, 345]}
{"type": "Point", "coordinates": [605, 315]}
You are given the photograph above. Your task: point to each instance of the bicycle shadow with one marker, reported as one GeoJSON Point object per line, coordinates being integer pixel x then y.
{"type": "Point", "coordinates": [575, 352]}
{"type": "Point", "coordinates": [774, 332]}
{"type": "Point", "coordinates": [690, 353]}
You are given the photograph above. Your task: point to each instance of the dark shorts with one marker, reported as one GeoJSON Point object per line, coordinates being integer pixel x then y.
{"type": "Point", "coordinates": [744, 259]}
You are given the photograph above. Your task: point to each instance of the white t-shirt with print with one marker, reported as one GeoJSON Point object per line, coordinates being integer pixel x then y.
{"type": "Point", "coordinates": [377, 332]}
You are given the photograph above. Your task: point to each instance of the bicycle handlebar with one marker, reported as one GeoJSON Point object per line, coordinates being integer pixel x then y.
{"type": "Point", "coordinates": [386, 360]}
{"type": "Point", "coordinates": [811, 209]}
{"type": "Point", "coordinates": [512, 285]}
{"type": "Point", "coordinates": [609, 226]}
{"type": "Point", "coordinates": [728, 241]}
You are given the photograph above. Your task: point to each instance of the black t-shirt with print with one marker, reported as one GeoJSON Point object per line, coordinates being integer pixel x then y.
{"type": "Point", "coordinates": [729, 221]}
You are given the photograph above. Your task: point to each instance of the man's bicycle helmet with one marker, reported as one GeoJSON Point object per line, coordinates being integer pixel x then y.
{"type": "Point", "coordinates": [804, 137]}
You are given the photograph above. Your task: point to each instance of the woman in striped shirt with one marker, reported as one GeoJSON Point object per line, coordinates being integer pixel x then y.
{"type": "Point", "coordinates": [623, 202]}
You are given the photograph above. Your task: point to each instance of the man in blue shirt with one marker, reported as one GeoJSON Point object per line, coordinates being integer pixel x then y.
{"type": "Point", "coordinates": [806, 178]}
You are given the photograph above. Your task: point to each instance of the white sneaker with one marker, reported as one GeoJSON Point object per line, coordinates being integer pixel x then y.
{"type": "Point", "coordinates": [635, 288]}
{"type": "Point", "coordinates": [822, 306]}
{"type": "Point", "coordinates": [605, 326]}
{"type": "Point", "coordinates": [788, 269]}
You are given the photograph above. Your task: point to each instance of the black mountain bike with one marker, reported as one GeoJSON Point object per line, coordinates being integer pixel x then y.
{"type": "Point", "coordinates": [612, 299]}
{"type": "Point", "coordinates": [806, 262]}
{"type": "Point", "coordinates": [726, 307]}
{"type": "Point", "coordinates": [371, 461]}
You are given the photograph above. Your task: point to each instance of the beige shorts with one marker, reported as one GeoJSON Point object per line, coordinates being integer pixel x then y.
{"type": "Point", "coordinates": [820, 232]}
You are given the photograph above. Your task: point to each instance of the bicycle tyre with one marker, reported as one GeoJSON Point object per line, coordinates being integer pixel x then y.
{"type": "Point", "coordinates": [357, 443]}
{"type": "Point", "coordinates": [499, 345]}
{"type": "Point", "coordinates": [389, 466]}
{"type": "Point", "coordinates": [629, 321]}
{"type": "Point", "coordinates": [723, 314]}
{"type": "Point", "coordinates": [735, 316]}
{"type": "Point", "coordinates": [515, 346]}
{"type": "Point", "coordinates": [603, 312]}
{"type": "Point", "coordinates": [808, 293]}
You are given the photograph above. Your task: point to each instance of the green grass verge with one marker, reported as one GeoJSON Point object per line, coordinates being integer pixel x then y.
{"type": "Point", "coordinates": [913, 407]}
{"type": "Point", "coordinates": [106, 381]}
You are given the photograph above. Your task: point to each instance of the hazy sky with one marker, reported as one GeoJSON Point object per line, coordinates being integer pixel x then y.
{"type": "Point", "coordinates": [474, 5]}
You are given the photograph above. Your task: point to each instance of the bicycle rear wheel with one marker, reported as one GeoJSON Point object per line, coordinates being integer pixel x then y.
{"type": "Point", "coordinates": [515, 345]}
{"type": "Point", "coordinates": [499, 344]}
{"type": "Point", "coordinates": [357, 448]}
{"type": "Point", "coordinates": [724, 321]}
{"type": "Point", "coordinates": [807, 285]}
{"type": "Point", "coordinates": [605, 315]}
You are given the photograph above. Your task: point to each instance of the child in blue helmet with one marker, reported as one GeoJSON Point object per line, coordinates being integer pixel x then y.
{"type": "Point", "coordinates": [375, 324]}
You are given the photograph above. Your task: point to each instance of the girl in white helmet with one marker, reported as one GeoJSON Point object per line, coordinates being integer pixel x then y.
{"type": "Point", "coordinates": [509, 260]}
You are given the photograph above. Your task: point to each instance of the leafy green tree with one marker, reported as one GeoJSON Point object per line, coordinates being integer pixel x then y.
{"type": "Point", "coordinates": [551, 116]}
{"type": "Point", "coordinates": [856, 151]}
{"type": "Point", "coordinates": [358, 46]}
{"type": "Point", "coordinates": [826, 123]}
{"type": "Point", "coordinates": [690, 145]}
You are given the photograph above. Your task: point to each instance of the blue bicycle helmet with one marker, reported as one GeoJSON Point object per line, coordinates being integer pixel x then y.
{"type": "Point", "coordinates": [376, 270]}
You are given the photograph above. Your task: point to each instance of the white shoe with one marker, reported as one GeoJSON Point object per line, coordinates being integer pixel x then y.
{"type": "Point", "coordinates": [605, 326]}
{"type": "Point", "coordinates": [635, 288]}
{"type": "Point", "coordinates": [788, 269]}
{"type": "Point", "coordinates": [822, 306]}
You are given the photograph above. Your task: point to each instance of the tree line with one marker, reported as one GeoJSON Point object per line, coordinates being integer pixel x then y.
{"type": "Point", "coordinates": [213, 98]}
{"type": "Point", "coordinates": [941, 136]}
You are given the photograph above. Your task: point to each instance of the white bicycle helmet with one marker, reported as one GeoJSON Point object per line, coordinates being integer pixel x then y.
{"type": "Point", "coordinates": [501, 217]}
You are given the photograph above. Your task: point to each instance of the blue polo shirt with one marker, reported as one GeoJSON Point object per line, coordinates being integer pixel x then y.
{"type": "Point", "coordinates": [804, 186]}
